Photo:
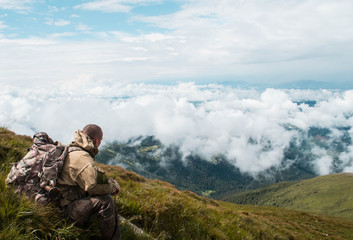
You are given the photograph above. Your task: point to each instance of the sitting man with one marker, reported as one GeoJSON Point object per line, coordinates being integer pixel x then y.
{"type": "Point", "coordinates": [85, 189]}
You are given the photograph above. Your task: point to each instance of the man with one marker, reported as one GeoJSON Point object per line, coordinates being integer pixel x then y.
{"type": "Point", "coordinates": [85, 189]}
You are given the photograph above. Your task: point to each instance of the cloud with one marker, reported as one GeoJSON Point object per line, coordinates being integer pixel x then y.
{"type": "Point", "coordinates": [39, 60]}
{"type": "Point", "coordinates": [282, 33]}
{"type": "Point", "coordinates": [17, 5]}
{"type": "Point", "coordinates": [53, 9]}
{"type": "Point", "coordinates": [104, 6]}
{"type": "Point", "coordinates": [114, 5]}
{"type": "Point", "coordinates": [60, 22]}
{"type": "Point", "coordinates": [246, 126]}
{"type": "Point", "coordinates": [60, 35]}
{"type": "Point", "coordinates": [2, 25]}
{"type": "Point", "coordinates": [83, 27]}
{"type": "Point", "coordinates": [270, 41]}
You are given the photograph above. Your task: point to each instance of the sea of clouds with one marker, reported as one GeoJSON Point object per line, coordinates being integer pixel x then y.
{"type": "Point", "coordinates": [201, 119]}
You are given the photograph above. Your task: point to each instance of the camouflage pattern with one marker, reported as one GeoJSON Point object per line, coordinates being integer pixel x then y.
{"type": "Point", "coordinates": [103, 207]}
{"type": "Point", "coordinates": [38, 171]}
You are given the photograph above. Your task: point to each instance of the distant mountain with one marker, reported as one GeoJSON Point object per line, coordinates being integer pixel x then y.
{"type": "Point", "coordinates": [315, 85]}
{"type": "Point", "coordinates": [302, 84]}
{"type": "Point", "coordinates": [329, 194]}
{"type": "Point", "coordinates": [148, 157]}
{"type": "Point", "coordinates": [214, 177]}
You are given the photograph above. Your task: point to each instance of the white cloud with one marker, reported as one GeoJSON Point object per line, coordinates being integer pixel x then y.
{"type": "Point", "coordinates": [272, 34]}
{"type": "Point", "coordinates": [59, 22]}
{"type": "Point", "coordinates": [323, 162]}
{"type": "Point", "coordinates": [18, 5]}
{"type": "Point", "coordinates": [2, 25]}
{"type": "Point", "coordinates": [83, 27]}
{"type": "Point", "coordinates": [111, 60]}
{"type": "Point", "coordinates": [53, 9]}
{"type": "Point", "coordinates": [141, 1]}
{"type": "Point", "coordinates": [63, 34]}
{"type": "Point", "coordinates": [114, 5]}
{"type": "Point", "coordinates": [25, 42]}
{"type": "Point", "coordinates": [246, 126]}
{"type": "Point", "coordinates": [104, 6]}
{"type": "Point", "coordinates": [347, 158]}
{"type": "Point", "coordinates": [270, 41]}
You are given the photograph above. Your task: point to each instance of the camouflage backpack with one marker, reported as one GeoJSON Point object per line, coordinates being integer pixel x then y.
{"type": "Point", "coordinates": [36, 174]}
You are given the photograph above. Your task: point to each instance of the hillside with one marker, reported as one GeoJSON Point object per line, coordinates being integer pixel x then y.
{"type": "Point", "coordinates": [160, 209]}
{"type": "Point", "coordinates": [330, 194]}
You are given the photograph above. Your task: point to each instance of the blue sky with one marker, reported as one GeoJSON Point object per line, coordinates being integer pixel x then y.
{"type": "Point", "coordinates": [60, 41]}
{"type": "Point", "coordinates": [42, 18]}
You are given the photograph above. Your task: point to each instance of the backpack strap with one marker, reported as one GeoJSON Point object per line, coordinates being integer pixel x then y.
{"type": "Point", "coordinates": [74, 148]}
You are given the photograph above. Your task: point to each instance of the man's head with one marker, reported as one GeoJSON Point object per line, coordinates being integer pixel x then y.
{"type": "Point", "coordinates": [95, 133]}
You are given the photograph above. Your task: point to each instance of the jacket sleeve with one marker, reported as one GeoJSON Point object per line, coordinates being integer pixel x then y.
{"type": "Point", "coordinates": [94, 181]}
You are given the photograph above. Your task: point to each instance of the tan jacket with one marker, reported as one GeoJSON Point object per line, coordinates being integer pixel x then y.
{"type": "Point", "coordinates": [81, 174]}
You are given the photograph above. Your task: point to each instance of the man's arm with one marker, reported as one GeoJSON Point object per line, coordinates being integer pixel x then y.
{"type": "Point", "coordinates": [94, 181]}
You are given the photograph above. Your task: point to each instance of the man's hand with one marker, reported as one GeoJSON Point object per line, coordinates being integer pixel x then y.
{"type": "Point", "coordinates": [117, 190]}
{"type": "Point", "coordinates": [117, 187]}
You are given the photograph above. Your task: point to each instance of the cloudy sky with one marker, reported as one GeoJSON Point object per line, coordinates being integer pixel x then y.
{"type": "Point", "coordinates": [60, 41]}
{"type": "Point", "coordinates": [153, 67]}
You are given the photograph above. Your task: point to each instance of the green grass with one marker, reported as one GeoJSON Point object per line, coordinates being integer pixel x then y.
{"type": "Point", "coordinates": [330, 194]}
{"type": "Point", "coordinates": [160, 210]}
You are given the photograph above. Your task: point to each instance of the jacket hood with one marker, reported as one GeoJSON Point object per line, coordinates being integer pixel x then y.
{"type": "Point", "coordinates": [83, 141]}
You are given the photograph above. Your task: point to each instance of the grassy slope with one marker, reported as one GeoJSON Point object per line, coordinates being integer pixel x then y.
{"type": "Point", "coordinates": [330, 194]}
{"type": "Point", "coordinates": [161, 210]}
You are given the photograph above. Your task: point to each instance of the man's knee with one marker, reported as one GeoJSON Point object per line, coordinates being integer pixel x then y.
{"type": "Point", "coordinates": [102, 205]}
{"type": "Point", "coordinates": [79, 210]}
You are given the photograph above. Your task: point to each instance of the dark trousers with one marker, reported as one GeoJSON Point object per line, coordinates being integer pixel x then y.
{"type": "Point", "coordinates": [103, 207]}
